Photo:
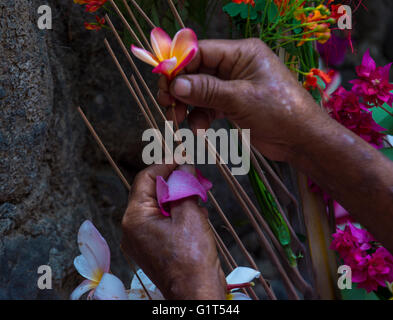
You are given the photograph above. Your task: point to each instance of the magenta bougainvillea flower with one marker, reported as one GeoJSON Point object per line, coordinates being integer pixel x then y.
{"type": "Point", "coordinates": [371, 264]}
{"type": "Point", "coordinates": [169, 57]}
{"type": "Point", "coordinates": [373, 83]}
{"type": "Point", "coordinates": [93, 264]}
{"type": "Point", "coordinates": [180, 185]}
{"type": "Point", "coordinates": [344, 106]}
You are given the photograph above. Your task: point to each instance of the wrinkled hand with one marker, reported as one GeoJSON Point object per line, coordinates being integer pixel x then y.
{"type": "Point", "coordinates": [177, 253]}
{"type": "Point", "coordinates": [244, 81]}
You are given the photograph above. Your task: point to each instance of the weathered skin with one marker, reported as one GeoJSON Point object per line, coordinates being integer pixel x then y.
{"type": "Point", "coordinates": [177, 253]}
{"type": "Point", "coordinates": [244, 81]}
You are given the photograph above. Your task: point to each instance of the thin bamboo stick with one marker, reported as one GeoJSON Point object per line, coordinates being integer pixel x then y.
{"type": "Point", "coordinates": [133, 34]}
{"type": "Point", "coordinates": [104, 150]}
{"type": "Point", "coordinates": [142, 13]}
{"type": "Point", "coordinates": [242, 248]}
{"type": "Point", "coordinates": [137, 25]}
{"type": "Point", "coordinates": [176, 14]}
{"type": "Point", "coordinates": [229, 259]}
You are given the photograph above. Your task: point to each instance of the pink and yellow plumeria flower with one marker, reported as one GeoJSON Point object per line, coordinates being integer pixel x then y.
{"type": "Point", "coordinates": [93, 264]}
{"type": "Point", "coordinates": [169, 56]}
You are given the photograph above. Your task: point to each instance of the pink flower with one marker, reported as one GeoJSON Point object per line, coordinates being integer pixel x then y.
{"type": "Point", "coordinates": [169, 57]}
{"type": "Point", "coordinates": [371, 264]}
{"type": "Point", "coordinates": [344, 106]}
{"type": "Point", "coordinates": [180, 185]}
{"type": "Point", "coordinates": [344, 241]}
{"type": "Point", "coordinates": [93, 264]}
{"type": "Point", "coordinates": [373, 83]}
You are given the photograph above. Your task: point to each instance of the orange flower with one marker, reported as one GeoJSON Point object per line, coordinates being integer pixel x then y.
{"type": "Point", "coordinates": [312, 17]}
{"type": "Point", "coordinates": [311, 81]}
{"type": "Point", "coordinates": [252, 2]}
{"type": "Point", "coordinates": [95, 25]}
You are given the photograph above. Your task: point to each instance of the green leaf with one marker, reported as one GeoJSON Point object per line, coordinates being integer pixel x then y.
{"type": "Point", "coordinates": [234, 9]}
{"type": "Point", "coordinates": [388, 152]}
{"type": "Point", "coordinates": [357, 294]}
{"type": "Point", "coordinates": [384, 119]}
{"type": "Point", "coordinates": [260, 5]}
{"type": "Point", "coordinates": [242, 9]}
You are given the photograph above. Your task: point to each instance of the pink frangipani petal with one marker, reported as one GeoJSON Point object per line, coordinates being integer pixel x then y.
{"type": "Point", "coordinates": [184, 62]}
{"type": "Point", "coordinates": [180, 185]}
{"type": "Point", "coordinates": [165, 67]}
{"type": "Point", "coordinates": [161, 43]}
{"type": "Point", "coordinates": [144, 55]}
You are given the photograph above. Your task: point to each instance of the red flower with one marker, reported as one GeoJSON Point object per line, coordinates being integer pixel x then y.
{"type": "Point", "coordinates": [373, 84]}
{"type": "Point", "coordinates": [95, 25]}
{"type": "Point", "coordinates": [311, 81]}
{"type": "Point", "coordinates": [92, 5]}
{"type": "Point", "coordinates": [252, 2]}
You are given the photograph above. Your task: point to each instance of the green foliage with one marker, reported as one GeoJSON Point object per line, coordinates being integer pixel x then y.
{"type": "Point", "coordinates": [384, 119]}
{"type": "Point", "coordinates": [357, 294]}
{"type": "Point", "coordinates": [270, 212]}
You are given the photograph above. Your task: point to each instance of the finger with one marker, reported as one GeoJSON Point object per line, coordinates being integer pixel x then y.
{"type": "Point", "coordinates": [203, 90]}
{"type": "Point", "coordinates": [180, 111]}
{"type": "Point", "coordinates": [200, 119]}
{"type": "Point", "coordinates": [163, 83]}
{"type": "Point", "coordinates": [164, 98]}
{"type": "Point", "coordinates": [144, 186]}
{"type": "Point", "coordinates": [184, 208]}
{"type": "Point", "coordinates": [218, 57]}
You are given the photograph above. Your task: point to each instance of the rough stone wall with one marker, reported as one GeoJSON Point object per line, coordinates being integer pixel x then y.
{"type": "Point", "coordinates": [52, 176]}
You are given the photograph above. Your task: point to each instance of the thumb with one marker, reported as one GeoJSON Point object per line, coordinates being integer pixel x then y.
{"type": "Point", "coordinates": [184, 208]}
{"type": "Point", "coordinates": [203, 90]}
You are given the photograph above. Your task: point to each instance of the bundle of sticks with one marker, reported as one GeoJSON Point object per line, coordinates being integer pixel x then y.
{"type": "Point", "coordinates": [294, 283]}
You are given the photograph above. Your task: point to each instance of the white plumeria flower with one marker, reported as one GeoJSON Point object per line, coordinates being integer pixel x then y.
{"type": "Point", "coordinates": [138, 293]}
{"type": "Point", "coordinates": [93, 264]}
{"type": "Point", "coordinates": [239, 278]}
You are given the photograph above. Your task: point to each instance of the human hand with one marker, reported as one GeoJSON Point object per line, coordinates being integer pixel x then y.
{"type": "Point", "coordinates": [177, 253]}
{"type": "Point", "coordinates": [244, 81]}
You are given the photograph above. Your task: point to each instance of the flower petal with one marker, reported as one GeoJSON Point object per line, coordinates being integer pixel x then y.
{"type": "Point", "coordinates": [242, 275]}
{"type": "Point", "coordinates": [83, 267]}
{"type": "Point", "coordinates": [184, 42]}
{"type": "Point", "coordinates": [166, 67]}
{"type": "Point", "coordinates": [184, 62]}
{"type": "Point", "coordinates": [81, 289]}
{"type": "Point", "coordinates": [240, 296]}
{"type": "Point", "coordinates": [94, 249]}
{"type": "Point", "coordinates": [180, 185]}
{"type": "Point", "coordinates": [138, 293]}
{"type": "Point", "coordinates": [110, 288]}
{"type": "Point", "coordinates": [161, 43]}
{"type": "Point", "coordinates": [144, 55]}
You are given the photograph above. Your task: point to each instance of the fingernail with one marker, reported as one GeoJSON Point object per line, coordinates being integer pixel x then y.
{"type": "Point", "coordinates": [182, 88]}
